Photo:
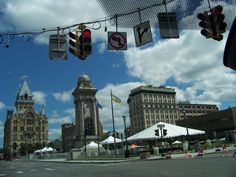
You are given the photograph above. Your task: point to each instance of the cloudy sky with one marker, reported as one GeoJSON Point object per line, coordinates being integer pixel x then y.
{"type": "Point", "coordinates": [192, 64]}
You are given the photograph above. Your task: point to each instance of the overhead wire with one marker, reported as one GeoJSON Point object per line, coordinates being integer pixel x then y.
{"type": "Point", "coordinates": [36, 32]}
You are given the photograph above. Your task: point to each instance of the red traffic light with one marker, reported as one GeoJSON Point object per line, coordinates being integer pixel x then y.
{"type": "Point", "coordinates": [217, 10]}
{"type": "Point", "coordinates": [86, 33]}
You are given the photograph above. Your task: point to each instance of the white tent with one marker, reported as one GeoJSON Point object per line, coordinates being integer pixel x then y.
{"type": "Point", "coordinates": [92, 145]}
{"type": "Point", "coordinates": [177, 142]}
{"type": "Point", "coordinates": [110, 140]}
{"type": "Point", "coordinates": [49, 149]}
{"type": "Point", "coordinates": [172, 131]}
{"type": "Point", "coordinates": [45, 149]}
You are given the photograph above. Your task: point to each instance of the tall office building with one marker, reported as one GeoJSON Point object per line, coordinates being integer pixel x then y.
{"type": "Point", "coordinates": [149, 105]}
{"type": "Point", "coordinates": [188, 110]}
{"type": "Point", "coordinates": [25, 129]}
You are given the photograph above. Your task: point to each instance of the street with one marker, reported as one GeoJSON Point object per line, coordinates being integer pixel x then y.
{"type": "Point", "coordinates": [203, 167]}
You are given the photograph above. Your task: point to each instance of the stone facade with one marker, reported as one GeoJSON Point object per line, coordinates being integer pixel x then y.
{"type": "Point", "coordinates": [25, 129]}
{"type": "Point", "coordinates": [68, 136]}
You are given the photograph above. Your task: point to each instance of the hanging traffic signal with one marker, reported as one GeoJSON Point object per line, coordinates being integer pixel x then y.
{"type": "Point", "coordinates": [206, 24]}
{"type": "Point", "coordinates": [157, 132]}
{"type": "Point", "coordinates": [74, 42]}
{"type": "Point", "coordinates": [164, 132]}
{"type": "Point", "coordinates": [220, 25]}
{"type": "Point", "coordinates": [86, 43]}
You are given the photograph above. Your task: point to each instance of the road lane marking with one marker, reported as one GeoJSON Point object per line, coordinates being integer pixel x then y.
{"type": "Point", "coordinates": [19, 172]}
{"type": "Point", "coordinates": [49, 169]}
{"type": "Point", "coordinates": [3, 174]}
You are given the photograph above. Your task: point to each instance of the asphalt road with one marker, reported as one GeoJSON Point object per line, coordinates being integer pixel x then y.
{"type": "Point", "coordinates": [201, 167]}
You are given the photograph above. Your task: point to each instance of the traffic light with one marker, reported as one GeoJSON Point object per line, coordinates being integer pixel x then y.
{"type": "Point", "coordinates": [157, 132]}
{"type": "Point", "coordinates": [220, 25]}
{"type": "Point", "coordinates": [164, 132]}
{"type": "Point", "coordinates": [85, 43]}
{"type": "Point", "coordinates": [206, 24]}
{"type": "Point", "coordinates": [76, 45]}
{"type": "Point", "coordinates": [74, 42]}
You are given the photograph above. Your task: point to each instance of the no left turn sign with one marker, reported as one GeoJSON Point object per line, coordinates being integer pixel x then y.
{"type": "Point", "coordinates": [117, 41]}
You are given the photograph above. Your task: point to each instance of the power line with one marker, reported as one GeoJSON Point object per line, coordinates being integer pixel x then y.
{"type": "Point", "coordinates": [26, 35]}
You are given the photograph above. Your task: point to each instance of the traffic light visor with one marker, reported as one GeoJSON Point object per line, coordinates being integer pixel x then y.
{"type": "Point", "coordinates": [217, 10]}
{"type": "Point", "coordinates": [73, 35]}
{"type": "Point", "coordinates": [202, 16]}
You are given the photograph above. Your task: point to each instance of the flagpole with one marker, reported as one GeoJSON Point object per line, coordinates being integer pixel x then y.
{"type": "Point", "coordinates": [97, 118]}
{"type": "Point", "coordinates": [113, 123]}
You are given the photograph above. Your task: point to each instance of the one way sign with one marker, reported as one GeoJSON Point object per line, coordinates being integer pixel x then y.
{"type": "Point", "coordinates": [142, 33]}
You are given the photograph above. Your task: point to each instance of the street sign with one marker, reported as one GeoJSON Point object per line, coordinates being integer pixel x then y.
{"type": "Point", "coordinates": [117, 40]}
{"type": "Point", "coordinates": [168, 25]}
{"type": "Point", "coordinates": [57, 47]}
{"type": "Point", "coordinates": [142, 33]}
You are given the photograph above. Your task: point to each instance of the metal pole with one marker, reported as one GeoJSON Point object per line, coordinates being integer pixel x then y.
{"type": "Point", "coordinates": [185, 119]}
{"type": "Point", "coordinates": [113, 123]}
{"type": "Point", "coordinates": [126, 142]}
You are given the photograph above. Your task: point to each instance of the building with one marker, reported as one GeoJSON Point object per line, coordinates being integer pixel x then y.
{"type": "Point", "coordinates": [216, 124]}
{"type": "Point", "coordinates": [25, 130]}
{"type": "Point", "coordinates": [87, 124]}
{"type": "Point", "coordinates": [188, 110]}
{"type": "Point", "coordinates": [149, 105]}
{"type": "Point", "coordinates": [68, 136]}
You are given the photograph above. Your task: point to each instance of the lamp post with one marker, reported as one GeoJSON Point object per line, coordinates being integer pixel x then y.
{"type": "Point", "coordinates": [126, 143]}
{"type": "Point", "coordinates": [185, 118]}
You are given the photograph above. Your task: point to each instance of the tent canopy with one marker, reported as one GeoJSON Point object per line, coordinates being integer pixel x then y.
{"type": "Point", "coordinates": [177, 142]}
{"type": "Point", "coordinates": [110, 140]}
{"type": "Point", "coordinates": [172, 131]}
{"type": "Point", "coordinates": [92, 145]}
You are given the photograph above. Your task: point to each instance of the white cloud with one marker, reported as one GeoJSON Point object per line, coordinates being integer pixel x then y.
{"type": "Point", "coordinates": [121, 91]}
{"type": "Point", "coordinates": [55, 118]}
{"type": "Point", "coordinates": [191, 60]}
{"type": "Point", "coordinates": [54, 133]}
{"type": "Point", "coordinates": [2, 105]}
{"type": "Point", "coordinates": [71, 112]}
{"type": "Point", "coordinates": [65, 96]}
{"type": "Point", "coordinates": [39, 14]}
{"type": "Point", "coordinates": [1, 129]}
{"type": "Point", "coordinates": [39, 97]}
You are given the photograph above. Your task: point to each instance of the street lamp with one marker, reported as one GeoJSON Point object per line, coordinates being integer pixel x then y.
{"type": "Point", "coordinates": [126, 143]}
{"type": "Point", "coordinates": [185, 119]}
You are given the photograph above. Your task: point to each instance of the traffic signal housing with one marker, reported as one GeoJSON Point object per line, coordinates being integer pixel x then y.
{"type": "Point", "coordinates": [164, 132]}
{"type": "Point", "coordinates": [220, 25]}
{"type": "Point", "coordinates": [86, 43]}
{"type": "Point", "coordinates": [157, 132]}
{"type": "Point", "coordinates": [74, 42]}
{"type": "Point", "coordinates": [206, 24]}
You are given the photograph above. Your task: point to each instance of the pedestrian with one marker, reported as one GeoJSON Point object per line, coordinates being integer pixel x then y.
{"type": "Point", "coordinates": [200, 153]}
{"type": "Point", "coordinates": [188, 154]}
{"type": "Point", "coordinates": [168, 155]}
{"type": "Point", "coordinates": [225, 150]}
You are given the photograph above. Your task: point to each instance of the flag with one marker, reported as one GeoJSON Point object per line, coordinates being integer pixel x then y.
{"type": "Point", "coordinates": [115, 99]}
{"type": "Point", "coordinates": [98, 105]}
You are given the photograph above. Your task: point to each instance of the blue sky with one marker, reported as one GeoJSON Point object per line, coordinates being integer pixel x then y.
{"type": "Point", "coordinates": [191, 64]}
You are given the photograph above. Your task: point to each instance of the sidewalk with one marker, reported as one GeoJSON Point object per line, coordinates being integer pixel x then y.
{"type": "Point", "coordinates": [158, 157]}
